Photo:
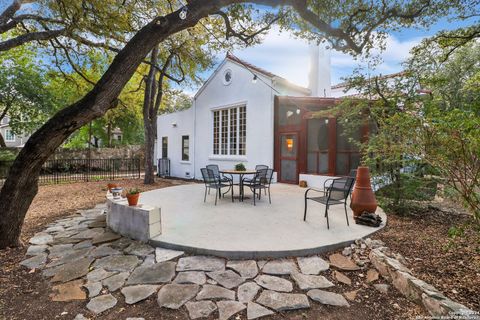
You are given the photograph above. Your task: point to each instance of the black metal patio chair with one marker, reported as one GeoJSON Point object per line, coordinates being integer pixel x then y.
{"type": "Point", "coordinates": [211, 182]}
{"type": "Point", "coordinates": [335, 193]}
{"type": "Point", "coordinates": [261, 181]}
{"type": "Point", "coordinates": [257, 167]}
{"type": "Point", "coordinates": [221, 177]}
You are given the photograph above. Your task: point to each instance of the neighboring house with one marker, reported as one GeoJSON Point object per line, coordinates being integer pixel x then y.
{"type": "Point", "coordinates": [11, 139]}
{"type": "Point", "coordinates": [246, 114]}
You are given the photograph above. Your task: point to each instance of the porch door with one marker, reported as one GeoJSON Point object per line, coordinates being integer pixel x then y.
{"type": "Point", "coordinates": [289, 157]}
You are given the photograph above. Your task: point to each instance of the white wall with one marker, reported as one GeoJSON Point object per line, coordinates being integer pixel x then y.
{"type": "Point", "coordinates": [258, 99]}
{"type": "Point", "coordinates": [184, 126]}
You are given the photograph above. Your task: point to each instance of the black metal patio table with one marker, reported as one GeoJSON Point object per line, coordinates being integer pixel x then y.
{"type": "Point", "coordinates": [240, 175]}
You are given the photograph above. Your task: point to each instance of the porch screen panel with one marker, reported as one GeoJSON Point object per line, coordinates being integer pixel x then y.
{"type": "Point", "coordinates": [348, 155]}
{"type": "Point", "coordinates": [317, 146]}
{"type": "Point", "coordinates": [216, 132]}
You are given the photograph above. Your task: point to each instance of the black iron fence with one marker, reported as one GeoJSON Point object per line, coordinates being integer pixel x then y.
{"type": "Point", "coordinates": [74, 170]}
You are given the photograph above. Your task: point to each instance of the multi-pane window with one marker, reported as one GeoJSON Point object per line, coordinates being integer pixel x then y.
{"type": "Point", "coordinates": [230, 131]}
{"type": "Point", "coordinates": [164, 147]}
{"type": "Point", "coordinates": [185, 148]}
{"type": "Point", "coordinates": [9, 135]}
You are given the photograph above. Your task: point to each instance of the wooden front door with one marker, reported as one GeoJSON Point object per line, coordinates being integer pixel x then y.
{"type": "Point", "coordinates": [288, 157]}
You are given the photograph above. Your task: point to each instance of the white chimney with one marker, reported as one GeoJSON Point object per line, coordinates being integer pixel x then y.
{"type": "Point", "coordinates": [319, 77]}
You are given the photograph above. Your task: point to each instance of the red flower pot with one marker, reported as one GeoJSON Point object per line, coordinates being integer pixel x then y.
{"type": "Point", "coordinates": [110, 186]}
{"type": "Point", "coordinates": [363, 198]}
{"type": "Point", "coordinates": [133, 199]}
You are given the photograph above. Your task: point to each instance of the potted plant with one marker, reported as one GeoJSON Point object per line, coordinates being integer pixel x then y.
{"type": "Point", "coordinates": [132, 196]}
{"type": "Point", "coordinates": [240, 167]}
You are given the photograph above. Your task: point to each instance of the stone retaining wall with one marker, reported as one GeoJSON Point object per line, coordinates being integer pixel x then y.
{"type": "Point", "coordinates": [141, 222]}
{"type": "Point", "coordinates": [422, 293]}
{"type": "Point", "coordinates": [123, 152]}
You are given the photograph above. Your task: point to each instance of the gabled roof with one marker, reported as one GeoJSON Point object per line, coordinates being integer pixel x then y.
{"type": "Point", "coordinates": [253, 69]}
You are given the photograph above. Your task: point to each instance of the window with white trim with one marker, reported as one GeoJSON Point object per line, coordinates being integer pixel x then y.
{"type": "Point", "coordinates": [9, 135]}
{"type": "Point", "coordinates": [230, 131]}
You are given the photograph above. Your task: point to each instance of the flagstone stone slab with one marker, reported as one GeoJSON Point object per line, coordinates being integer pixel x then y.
{"type": "Point", "coordinates": [69, 256]}
{"type": "Point", "coordinates": [247, 292]}
{"type": "Point", "coordinates": [201, 263]}
{"type": "Point", "coordinates": [101, 303]}
{"type": "Point", "coordinates": [35, 262]}
{"type": "Point", "coordinates": [162, 254]}
{"type": "Point", "coordinates": [246, 268]}
{"type": "Point", "coordinates": [343, 263]}
{"type": "Point", "coordinates": [73, 270]}
{"type": "Point", "coordinates": [99, 274]}
{"type": "Point", "coordinates": [342, 278]}
{"type": "Point", "coordinates": [274, 283]}
{"type": "Point", "coordinates": [93, 288]}
{"type": "Point", "coordinates": [115, 282]}
{"type": "Point", "coordinates": [68, 291]}
{"type": "Point", "coordinates": [36, 249]}
{"type": "Point", "coordinates": [106, 237]}
{"type": "Point", "coordinates": [139, 249]}
{"type": "Point", "coordinates": [312, 265]}
{"type": "Point", "coordinates": [226, 309]}
{"type": "Point", "coordinates": [213, 292]}
{"type": "Point", "coordinates": [326, 297]}
{"type": "Point", "coordinates": [60, 250]}
{"type": "Point", "coordinates": [103, 251]}
{"type": "Point", "coordinates": [134, 294]}
{"type": "Point", "coordinates": [307, 282]}
{"type": "Point", "coordinates": [89, 233]}
{"type": "Point", "coordinates": [173, 296]}
{"type": "Point", "coordinates": [41, 238]}
{"type": "Point", "coordinates": [227, 278]}
{"type": "Point", "coordinates": [162, 272]}
{"type": "Point", "coordinates": [200, 309]}
{"type": "Point", "coordinates": [148, 261]}
{"type": "Point", "coordinates": [117, 263]}
{"type": "Point", "coordinates": [280, 267]}
{"type": "Point", "coordinates": [283, 301]}
{"type": "Point", "coordinates": [255, 311]}
{"type": "Point", "coordinates": [192, 277]}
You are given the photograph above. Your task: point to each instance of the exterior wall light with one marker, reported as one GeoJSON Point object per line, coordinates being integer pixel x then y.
{"type": "Point", "coordinates": [254, 80]}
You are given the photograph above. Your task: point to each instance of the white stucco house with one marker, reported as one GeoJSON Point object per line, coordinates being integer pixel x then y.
{"type": "Point", "coordinates": [11, 139]}
{"type": "Point", "coordinates": [244, 114]}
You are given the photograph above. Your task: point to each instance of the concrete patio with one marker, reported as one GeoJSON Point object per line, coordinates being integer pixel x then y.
{"type": "Point", "coordinates": [241, 230]}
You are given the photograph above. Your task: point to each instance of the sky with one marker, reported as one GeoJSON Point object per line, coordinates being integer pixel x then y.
{"type": "Point", "coordinates": [282, 54]}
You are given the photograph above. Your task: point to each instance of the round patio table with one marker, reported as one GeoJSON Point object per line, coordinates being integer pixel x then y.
{"type": "Point", "coordinates": [240, 175]}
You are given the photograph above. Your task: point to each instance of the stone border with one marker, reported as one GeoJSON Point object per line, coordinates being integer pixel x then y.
{"type": "Point", "coordinates": [422, 293]}
{"type": "Point", "coordinates": [141, 222]}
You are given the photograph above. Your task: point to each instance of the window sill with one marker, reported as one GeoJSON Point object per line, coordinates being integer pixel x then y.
{"type": "Point", "coordinates": [227, 158]}
{"type": "Point", "coordinates": [185, 162]}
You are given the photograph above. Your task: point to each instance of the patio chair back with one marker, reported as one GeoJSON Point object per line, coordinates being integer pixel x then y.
{"type": "Point", "coordinates": [208, 176]}
{"type": "Point", "coordinates": [340, 188]}
{"type": "Point", "coordinates": [269, 176]}
{"type": "Point", "coordinates": [260, 176]}
{"type": "Point", "coordinates": [215, 169]}
{"type": "Point", "coordinates": [353, 173]}
{"type": "Point", "coordinates": [260, 167]}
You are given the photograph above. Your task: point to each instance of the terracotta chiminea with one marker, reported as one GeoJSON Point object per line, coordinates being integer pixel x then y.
{"type": "Point", "coordinates": [363, 198]}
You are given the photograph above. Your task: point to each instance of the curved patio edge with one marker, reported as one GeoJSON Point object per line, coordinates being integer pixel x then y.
{"type": "Point", "coordinates": [239, 254]}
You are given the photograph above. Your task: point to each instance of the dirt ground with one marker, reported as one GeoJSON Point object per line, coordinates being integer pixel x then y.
{"type": "Point", "coordinates": [25, 294]}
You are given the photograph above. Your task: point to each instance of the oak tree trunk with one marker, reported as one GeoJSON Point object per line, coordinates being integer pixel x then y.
{"type": "Point", "coordinates": [2, 141]}
{"type": "Point", "coordinates": [21, 185]}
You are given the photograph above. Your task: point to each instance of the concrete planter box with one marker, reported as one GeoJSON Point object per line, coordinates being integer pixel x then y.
{"type": "Point", "coordinates": [141, 222]}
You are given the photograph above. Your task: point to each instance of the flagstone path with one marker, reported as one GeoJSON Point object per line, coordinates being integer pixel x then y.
{"type": "Point", "coordinates": [84, 260]}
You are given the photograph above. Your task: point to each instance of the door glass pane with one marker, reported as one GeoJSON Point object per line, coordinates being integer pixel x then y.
{"type": "Point", "coordinates": [289, 145]}
{"type": "Point", "coordinates": [312, 162]}
{"type": "Point", "coordinates": [289, 170]}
